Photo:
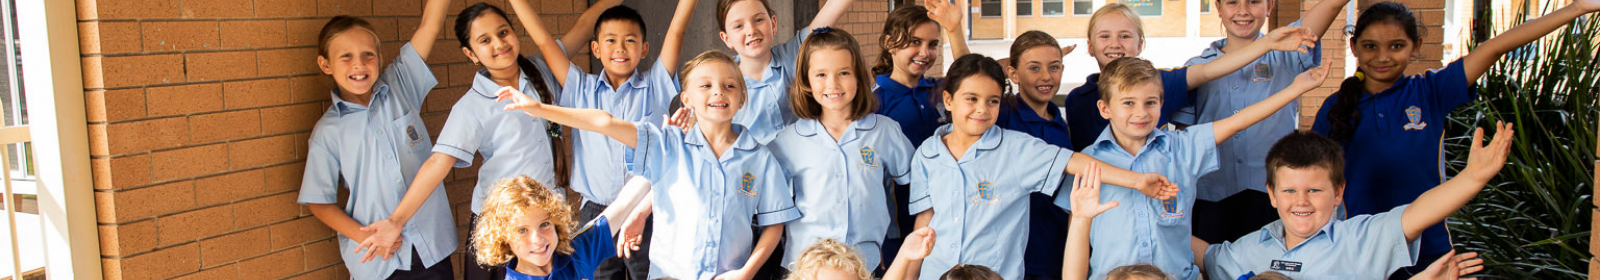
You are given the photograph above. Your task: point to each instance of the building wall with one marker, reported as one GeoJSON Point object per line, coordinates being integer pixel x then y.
{"type": "Point", "coordinates": [1171, 23]}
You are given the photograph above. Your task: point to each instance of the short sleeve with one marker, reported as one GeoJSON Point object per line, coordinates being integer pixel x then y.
{"type": "Point", "coordinates": [320, 185]}
{"type": "Point", "coordinates": [651, 151]}
{"type": "Point", "coordinates": [776, 204]}
{"type": "Point", "coordinates": [1320, 125]}
{"type": "Point", "coordinates": [459, 138]}
{"type": "Point", "coordinates": [791, 48]}
{"type": "Point", "coordinates": [1220, 261]}
{"type": "Point", "coordinates": [1305, 61]}
{"type": "Point", "coordinates": [663, 88]}
{"type": "Point", "coordinates": [898, 152]}
{"type": "Point", "coordinates": [409, 77]}
{"type": "Point", "coordinates": [577, 84]}
{"type": "Point", "coordinates": [918, 199]}
{"type": "Point", "coordinates": [1450, 87]}
{"type": "Point", "coordinates": [1175, 92]}
{"type": "Point", "coordinates": [593, 245]}
{"type": "Point", "coordinates": [1199, 149]}
{"type": "Point", "coordinates": [1036, 152]}
{"type": "Point", "coordinates": [1383, 235]}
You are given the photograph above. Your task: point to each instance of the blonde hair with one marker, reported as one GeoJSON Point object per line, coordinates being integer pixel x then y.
{"type": "Point", "coordinates": [510, 200]}
{"type": "Point", "coordinates": [805, 106]}
{"type": "Point", "coordinates": [704, 58]}
{"type": "Point", "coordinates": [1270, 275]}
{"type": "Point", "coordinates": [1125, 73]}
{"type": "Point", "coordinates": [970, 272]}
{"type": "Point", "coordinates": [1137, 271]}
{"type": "Point", "coordinates": [828, 254]}
{"type": "Point", "coordinates": [1138, 25]}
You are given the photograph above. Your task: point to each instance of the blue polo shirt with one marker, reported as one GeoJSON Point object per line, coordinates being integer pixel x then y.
{"type": "Point", "coordinates": [1361, 247]}
{"type": "Point", "coordinates": [842, 187]}
{"type": "Point", "coordinates": [913, 107]}
{"type": "Point", "coordinates": [1396, 152]}
{"type": "Point", "coordinates": [601, 164]}
{"type": "Point", "coordinates": [766, 105]}
{"type": "Point", "coordinates": [1083, 116]}
{"type": "Point", "coordinates": [1045, 226]}
{"type": "Point", "coordinates": [512, 143]}
{"type": "Point", "coordinates": [589, 247]}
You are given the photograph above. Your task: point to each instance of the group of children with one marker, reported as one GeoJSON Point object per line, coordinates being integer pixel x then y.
{"type": "Point", "coordinates": [788, 160]}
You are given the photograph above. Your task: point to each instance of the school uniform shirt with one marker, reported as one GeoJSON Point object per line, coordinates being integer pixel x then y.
{"type": "Point", "coordinates": [601, 164]}
{"type": "Point", "coordinates": [708, 209]}
{"type": "Point", "coordinates": [511, 142]}
{"type": "Point", "coordinates": [1043, 256]}
{"type": "Point", "coordinates": [1243, 157]}
{"type": "Point", "coordinates": [914, 107]}
{"type": "Point", "coordinates": [766, 109]}
{"type": "Point", "coordinates": [1396, 153]}
{"type": "Point", "coordinates": [1143, 229]}
{"type": "Point", "coordinates": [842, 187]}
{"type": "Point", "coordinates": [980, 202]}
{"type": "Point", "coordinates": [1360, 247]}
{"type": "Point", "coordinates": [1083, 116]}
{"type": "Point", "coordinates": [374, 151]}
{"type": "Point", "coordinates": [589, 247]}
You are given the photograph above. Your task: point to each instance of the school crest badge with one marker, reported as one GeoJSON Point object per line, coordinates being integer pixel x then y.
{"type": "Point", "coordinates": [747, 185]}
{"type": "Point", "coordinates": [1414, 115]}
{"type": "Point", "coordinates": [411, 132]}
{"type": "Point", "coordinates": [1262, 73]}
{"type": "Point", "coordinates": [869, 157]}
{"type": "Point", "coordinates": [1169, 209]}
{"type": "Point", "coordinates": [985, 193]}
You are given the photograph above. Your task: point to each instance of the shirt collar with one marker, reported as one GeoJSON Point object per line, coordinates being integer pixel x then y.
{"type": "Point", "coordinates": [486, 87]}
{"type": "Point", "coordinates": [810, 127]}
{"type": "Point", "coordinates": [1028, 115]}
{"type": "Point", "coordinates": [744, 142]}
{"type": "Point", "coordinates": [1156, 140]}
{"type": "Point", "coordinates": [635, 81]}
{"type": "Point", "coordinates": [990, 140]}
{"type": "Point", "coordinates": [346, 107]}
{"type": "Point", "coordinates": [1274, 233]}
{"type": "Point", "coordinates": [773, 67]}
{"type": "Point", "coordinates": [557, 263]}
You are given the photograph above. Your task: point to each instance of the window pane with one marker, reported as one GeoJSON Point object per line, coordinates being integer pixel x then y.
{"type": "Point", "coordinates": [1145, 8]}
{"type": "Point", "coordinates": [11, 99]}
{"type": "Point", "coordinates": [1054, 8]}
{"type": "Point", "coordinates": [1205, 6]}
{"type": "Point", "coordinates": [25, 202]}
{"type": "Point", "coordinates": [991, 9]}
{"type": "Point", "coordinates": [1024, 8]}
{"type": "Point", "coordinates": [1082, 8]}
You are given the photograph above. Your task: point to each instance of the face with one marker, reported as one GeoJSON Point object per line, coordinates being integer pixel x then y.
{"type": "Point", "coordinates": [1243, 18]}
{"type": "Point", "coordinates": [1133, 112]}
{"type": "Point", "coordinates": [619, 45]}
{"type": "Point", "coordinates": [714, 92]}
{"type": "Point", "coordinates": [833, 79]}
{"type": "Point", "coordinates": [533, 237]}
{"type": "Point", "coordinates": [1305, 199]}
{"type": "Point", "coordinates": [352, 60]}
{"type": "Point", "coordinates": [974, 105]}
{"type": "Point", "coordinates": [920, 52]}
{"type": "Point", "coordinates": [835, 274]}
{"type": "Point", "coordinates": [1114, 37]}
{"type": "Point", "coordinates": [1038, 73]}
{"type": "Point", "coordinates": [492, 43]}
{"type": "Point", "coordinates": [748, 30]}
{"type": "Point", "coordinates": [1382, 52]}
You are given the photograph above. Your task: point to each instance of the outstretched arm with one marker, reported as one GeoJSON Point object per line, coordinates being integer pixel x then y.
{"type": "Point", "coordinates": [908, 263]}
{"type": "Point", "coordinates": [1479, 60]}
{"type": "Point", "coordinates": [949, 15]}
{"type": "Point", "coordinates": [1482, 164]}
{"type": "Point", "coordinates": [1317, 20]}
{"type": "Point", "coordinates": [583, 30]}
{"type": "Point", "coordinates": [386, 232]}
{"type": "Point", "coordinates": [765, 244]}
{"type": "Point", "coordinates": [1085, 206]}
{"type": "Point", "coordinates": [1281, 39]}
{"type": "Point", "coordinates": [586, 119]}
{"type": "Point", "coordinates": [552, 52]}
{"type": "Point", "coordinates": [672, 48]}
{"type": "Point", "coordinates": [633, 192]}
{"type": "Point", "coordinates": [1306, 81]}
{"type": "Point", "coordinates": [830, 13]}
{"type": "Point", "coordinates": [428, 30]}
{"type": "Point", "coordinates": [1150, 184]}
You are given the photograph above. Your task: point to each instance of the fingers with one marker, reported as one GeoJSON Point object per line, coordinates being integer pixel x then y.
{"type": "Point", "coordinates": [1106, 207]}
{"type": "Point", "coordinates": [1068, 49]}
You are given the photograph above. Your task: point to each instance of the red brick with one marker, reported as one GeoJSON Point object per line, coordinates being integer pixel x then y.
{"type": "Point", "coordinates": [253, 34]}
{"type": "Point", "coordinates": [461, 74]}
{"type": "Point", "coordinates": [97, 138]}
{"type": "Point", "coordinates": [323, 252]}
{"type": "Point", "coordinates": [93, 73]}
{"type": "Point", "coordinates": [310, 88]}
{"type": "Point", "coordinates": [286, 8]}
{"type": "Point", "coordinates": [224, 272]}
{"type": "Point", "coordinates": [303, 32]}
{"type": "Point", "coordinates": [268, 209]}
{"type": "Point", "coordinates": [224, 126]}
{"type": "Point", "coordinates": [179, 35]}
{"type": "Point", "coordinates": [400, 8]}
{"type": "Point", "coordinates": [108, 37]}
{"type": "Point", "coordinates": [255, 93]}
{"type": "Point", "coordinates": [220, 66]}
{"type": "Point", "coordinates": [122, 71]}
{"type": "Point", "coordinates": [234, 246]}
{"type": "Point", "coordinates": [120, 172]}
{"type": "Point", "coordinates": [145, 135]}
{"type": "Point", "coordinates": [261, 151]}
{"type": "Point", "coordinates": [294, 61]}
{"type": "Point", "coordinates": [188, 162]}
{"type": "Point", "coordinates": [216, 9]}
{"type": "Point", "coordinates": [283, 177]}
{"type": "Point", "coordinates": [110, 268]}
{"type": "Point", "coordinates": [279, 264]}
{"type": "Point", "coordinates": [133, 9]}
{"type": "Point", "coordinates": [292, 118]}
{"type": "Point", "coordinates": [159, 264]}
{"type": "Point", "coordinates": [298, 232]}
{"type": "Point", "coordinates": [193, 225]}
{"type": "Point", "coordinates": [183, 100]}
{"type": "Point", "coordinates": [328, 273]}
{"type": "Point", "coordinates": [386, 28]}
{"type": "Point", "coordinates": [119, 104]}
{"type": "Point", "coordinates": [344, 7]}
{"type": "Point", "coordinates": [129, 238]}
{"type": "Point", "coordinates": [148, 202]}
{"type": "Point", "coordinates": [229, 187]}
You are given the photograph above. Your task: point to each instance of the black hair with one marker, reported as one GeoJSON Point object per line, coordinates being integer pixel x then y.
{"type": "Point", "coordinates": [1342, 114]}
{"type": "Point", "coordinates": [559, 146]}
{"type": "Point", "coordinates": [968, 66]}
{"type": "Point", "coordinates": [622, 14]}
{"type": "Point", "coordinates": [1301, 149]}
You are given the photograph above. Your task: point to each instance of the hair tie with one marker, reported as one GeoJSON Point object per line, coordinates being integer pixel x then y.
{"type": "Point", "coordinates": [820, 30]}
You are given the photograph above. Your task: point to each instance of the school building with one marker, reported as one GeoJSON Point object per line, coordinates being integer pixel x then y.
{"type": "Point", "coordinates": [1005, 19]}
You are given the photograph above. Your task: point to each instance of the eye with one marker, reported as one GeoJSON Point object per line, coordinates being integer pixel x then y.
{"type": "Point", "coordinates": [1054, 68]}
{"type": "Point", "coordinates": [1289, 191]}
{"type": "Point", "coordinates": [731, 86]}
{"type": "Point", "coordinates": [1127, 103]}
{"type": "Point", "coordinates": [522, 230]}
{"type": "Point", "coordinates": [631, 40]}
{"type": "Point", "coordinates": [1369, 46]}
{"type": "Point", "coordinates": [705, 85]}
{"type": "Point", "coordinates": [504, 32]}
{"type": "Point", "coordinates": [970, 99]}
{"type": "Point", "coordinates": [994, 101]}
{"type": "Point", "coordinates": [1150, 103]}
{"type": "Point", "coordinates": [1397, 46]}
{"type": "Point", "coordinates": [760, 20]}
{"type": "Point", "coordinates": [1103, 36]}
{"type": "Point", "coordinates": [1314, 190]}
{"type": "Point", "coordinates": [1124, 36]}
{"type": "Point", "coordinates": [546, 225]}
{"type": "Point", "coordinates": [916, 41]}
{"type": "Point", "coordinates": [1033, 68]}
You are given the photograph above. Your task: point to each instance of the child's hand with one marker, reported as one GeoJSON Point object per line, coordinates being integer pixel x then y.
{"type": "Point", "coordinates": [519, 101]}
{"type": "Point", "coordinates": [1155, 186]}
{"type": "Point", "coordinates": [947, 14]}
{"type": "Point", "coordinates": [1086, 193]}
{"type": "Point", "coordinates": [683, 119]}
{"type": "Point", "coordinates": [1311, 78]}
{"type": "Point", "coordinates": [383, 238]}
{"type": "Point", "coordinates": [1452, 266]}
{"type": "Point", "coordinates": [737, 274]}
{"type": "Point", "coordinates": [1068, 49]}
{"type": "Point", "coordinates": [918, 244]}
{"type": "Point", "coordinates": [632, 233]}
{"type": "Point", "coordinates": [1483, 162]}
{"type": "Point", "coordinates": [1291, 39]}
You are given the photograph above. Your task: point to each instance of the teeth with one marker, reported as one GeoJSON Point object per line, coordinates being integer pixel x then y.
{"type": "Point", "coordinates": [724, 105]}
{"type": "Point", "coordinates": [358, 77]}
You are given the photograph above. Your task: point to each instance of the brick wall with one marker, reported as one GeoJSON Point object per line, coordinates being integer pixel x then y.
{"type": "Point", "coordinates": [199, 112]}
{"type": "Point", "coordinates": [865, 20]}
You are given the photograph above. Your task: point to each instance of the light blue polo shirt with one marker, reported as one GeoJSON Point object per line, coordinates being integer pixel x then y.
{"type": "Point", "coordinates": [600, 164]}
{"type": "Point", "coordinates": [1243, 157]}
{"type": "Point", "coordinates": [375, 151]}
{"type": "Point", "coordinates": [512, 143]}
{"type": "Point", "coordinates": [766, 107]}
{"type": "Point", "coordinates": [1143, 229]}
{"type": "Point", "coordinates": [980, 203]}
{"type": "Point", "coordinates": [843, 186]}
{"type": "Point", "coordinates": [708, 209]}
{"type": "Point", "coordinates": [1360, 247]}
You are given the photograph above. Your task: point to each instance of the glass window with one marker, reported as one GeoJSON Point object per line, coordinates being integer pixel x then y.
{"type": "Point", "coordinates": [1082, 8]}
{"type": "Point", "coordinates": [1055, 7]}
{"type": "Point", "coordinates": [1145, 8]}
{"type": "Point", "coordinates": [1024, 8]}
{"type": "Point", "coordinates": [990, 8]}
{"type": "Point", "coordinates": [1205, 6]}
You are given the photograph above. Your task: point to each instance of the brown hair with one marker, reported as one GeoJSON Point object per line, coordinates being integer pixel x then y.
{"type": "Point", "coordinates": [1270, 275]}
{"type": "Point", "coordinates": [724, 5]}
{"type": "Point", "coordinates": [509, 200]}
{"type": "Point", "coordinates": [1029, 40]}
{"type": "Point", "coordinates": [704, 58]}
{"type": "Point", "coordinates": [828, 254]}
{"type": "Point", "coordinates": [897, 34]}
{"type": "Point", "coordinates": [560, 141]}
{"type": "Point", "coordinates": [1138, 25]}
{"type": "Point", "coordinates": [1126, 73]}
{"type": "Point", "coordinates": [970, 272]}
{"type": "Point", "coordinates": [800, 98]}
{"type": "Point", "coordinates": [1137, 271]}
{"type": "Point", "coordinates": [338, 25]}
{"type": "Point", "coordinates": [1302, 149]}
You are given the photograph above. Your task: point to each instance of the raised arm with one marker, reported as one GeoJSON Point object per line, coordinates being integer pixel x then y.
{"type": "Point", "coordinates": [552, 52]}
{"type": "Point", "coordinates": [830, 13]}
{"type": "Point", "coordinates": [908, 263]}
{"type": "Point", "coordinates": [1317, 20]}
{"type": "Point", "coordinates": [428, 30]}
{"type": "Point", "coordinates": [586, 119]}
{"type": "Point", "coordinates": [583, 30]}
{"type": "Point", "coordinates": [672, 47]}
{"type": "Point", "coordinates": [949, 15]}
{"type": "Point", "coordinates": [1479, 60]}
{"type": "Point", "coordinates": [1085, 206]}
{"type": "Point", "coordinates": [1482, 164]}
{"type": "Point", "coordinates": [633, 192]}
{"type": "Point", "coordinates": [1254, 113]}
{"type": "Point", "coordinates": [1150, 184]}
{"type": "Point", "coordinates": [1281, 39]}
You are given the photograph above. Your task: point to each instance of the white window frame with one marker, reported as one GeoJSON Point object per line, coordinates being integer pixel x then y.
{"type": "Point", "coordinates": [1074, 8]}
{"type": "Point", "coordinates": [983, 13]}
{"type": "Point", "coordinates": [1066, 7]}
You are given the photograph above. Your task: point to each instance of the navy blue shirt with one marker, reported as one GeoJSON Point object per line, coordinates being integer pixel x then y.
{"type": "Point", "coordinates": [1395, 153]}
{"type": "Point", "coordinates": [913, 107]}
{"type": "Point", "coordinates": [1051, 129]}
{"type": "Point", "coordinates": [1083, 116]}
{"type": "Point", "coordinates": [589, 247]}
{"type": "Point", "coordinates": [1047, 226]}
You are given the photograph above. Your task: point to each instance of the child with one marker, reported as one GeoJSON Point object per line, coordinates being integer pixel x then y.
{"type": "Point", "coordinates": [1159, 230]}
{"type": "Point", "coordinates": [970, 272]}
{"type": "Point", "coordinates": [839, 154]}
{"type": "Point", "coordinates": [747, 26]}
{"type": "Point", "coordinates": [829, 259]}
{"type": "Point", "coordinates": [358, 144]}
{"type": "Point", "coordinates": [528, 227]}
{"type": "Point", "coordinates": [1234, 199]}
{"type": "Point", "coordinates": [1310, 242]}
{"type": "Point", "coordinates": [1115, 31]}
{"type": "Point", "coordinates": [1393, 160]}
{"type": "Point", "coordinates": [712, 185]}
{"type": "Point", "coordinates": [1035, 65]}
{"type": "Point", "coordinates": [911, 47]}
{"type": "Point", "coordinates": [964, 183]}
{"type": "Point", "coordinates": [1086, 205]}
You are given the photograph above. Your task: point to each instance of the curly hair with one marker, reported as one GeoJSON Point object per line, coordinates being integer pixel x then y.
{"type": "Point", "coordinates": [828, 254]}
{"type": "Point", "coordinates": [897, 34]}
{"type": "Point", "coordinates": [510, 200]}
{"type": "Point", "coordinates": [1137, 271]}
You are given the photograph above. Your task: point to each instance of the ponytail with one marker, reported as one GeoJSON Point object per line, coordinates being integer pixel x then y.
{"type": "Point", "coordinates": [560, 143]}
{"type": "Point", "coordinates": [1343, 116]}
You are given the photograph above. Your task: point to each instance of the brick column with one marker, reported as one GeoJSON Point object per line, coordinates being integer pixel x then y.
{"type": "Point", "coordinates": [1334, 48]}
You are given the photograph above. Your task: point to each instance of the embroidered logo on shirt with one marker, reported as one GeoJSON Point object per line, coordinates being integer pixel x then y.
{"type": "Point", "coordinates": [985, 193]}
{"type": "Point", "coordinates": [411, 131]}
{"type": "Point", "coordinates": [747, 185]}
{"type": "Point", "coordinates": [1169, 208]}
{"type": "Point", "coordinates": [1286, 265]}
{"type": "Point", "coordinates": [869, 157]}
{"type": "Point", "coordinates": [1414, 115]}
{"type": "Point", "coordinates": [1263, 73]}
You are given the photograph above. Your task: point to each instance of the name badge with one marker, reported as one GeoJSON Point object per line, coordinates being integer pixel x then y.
{"type": "Point", "coordinates": [1285, 265]}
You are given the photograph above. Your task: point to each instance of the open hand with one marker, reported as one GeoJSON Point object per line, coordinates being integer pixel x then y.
{"type": "Point", "coordinates": [1086, 193]}
{"type": "Point", "coordinates": [683, 119]}
{"type": "Point", "coordinates": [1291, 38]}
{"type": "Point", "coordinates": [632, 234]}
{"type": "Point", "coordinates": [918, 244]}
{"type": "Point", "coordinates": [1311, 78]}
{"type": "Point", "coordinates": [519, 100]}
{"type": "Point", "coordinates": [1484, 161]}
{"type": "Point", "coordinates": [1452, 266]}
{"type": "Point", "coordinates": [1155, 186]}
{"type": "Point", "coordinates": [947, 14]}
